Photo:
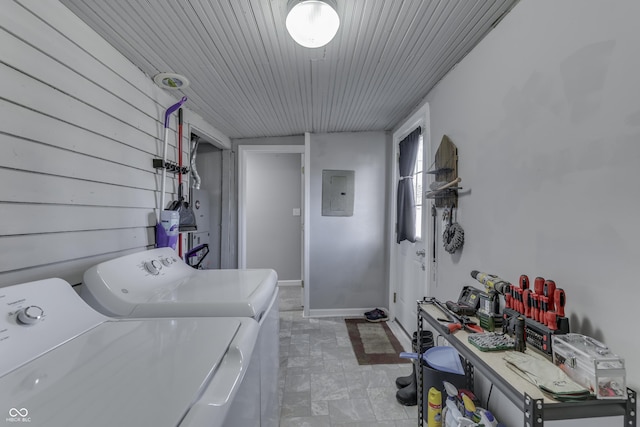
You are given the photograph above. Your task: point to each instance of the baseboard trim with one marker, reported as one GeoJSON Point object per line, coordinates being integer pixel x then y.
{"type": "Point", "coordinates": [400, 334]}
{"type": "Point", "coordinates": [285, 283]}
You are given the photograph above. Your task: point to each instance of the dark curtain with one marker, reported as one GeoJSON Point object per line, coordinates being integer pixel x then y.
{"type": "Point", "coordinates": [406, 214]}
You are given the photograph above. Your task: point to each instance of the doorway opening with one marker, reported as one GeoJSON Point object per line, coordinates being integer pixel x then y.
{"type": "Point", "coordinates": [272, 211]}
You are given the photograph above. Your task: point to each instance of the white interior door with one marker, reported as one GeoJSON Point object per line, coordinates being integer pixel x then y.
{"type": "Point", "coordinates": [410, 264]}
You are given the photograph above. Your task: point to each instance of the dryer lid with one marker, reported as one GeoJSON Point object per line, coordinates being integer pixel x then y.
{"type": "Point", "coordinates": [123, 372]}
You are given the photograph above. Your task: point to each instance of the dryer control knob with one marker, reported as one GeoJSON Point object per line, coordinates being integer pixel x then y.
{"type": "Point", "coordinates": [167, 261]}
{"type": "Point", "coordinates": [30, 315]}
{"type": "Point", "coordinates": [153, 267]}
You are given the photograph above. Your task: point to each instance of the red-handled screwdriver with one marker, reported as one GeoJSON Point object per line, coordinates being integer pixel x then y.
{"type": "Point", "coordinates": [544, 304]}
{"type": "Point", "coordinates": [538, 285]}
{"type": "Point", "coordinates": [535, 302]}
{"type": "Point", "coordinates": [560, 299]}
{"type": "Point", "coordinates": [549, 292]}
{"type": "Point", "coordinates": [526, 296]}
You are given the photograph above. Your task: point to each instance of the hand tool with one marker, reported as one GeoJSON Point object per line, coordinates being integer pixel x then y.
{"type": "Point", "coordinates": [560, 300]}
{"type": "Point", "coordinates": [507, 299]}
{"type": "Point", "coordinates": [519, 303]}
{"type": "Point", "coordinates": [549, 289]}
{"type": "Point", "coordinates": [526, 296]}
{"type": "Point", "coordinates": [524, 284]}
{"type": "Point", "coordinates": [552, 320]}
{"type": "Point", "coordinates": [512, 292]}
{"type": "Point", "coordinates": [544, 305]}
{"type": "Point", "coordinates": [457, 322]}
{"type": "Point", "coordinates": [535, 301]}
{"type": "Point", "coordinates": [538, 285]}
{"type": "Point", "coordinates": [520, 344]}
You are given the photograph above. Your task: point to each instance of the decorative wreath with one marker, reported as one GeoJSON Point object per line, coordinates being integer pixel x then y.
{"type": "Point", "coordinates": [453, 236]}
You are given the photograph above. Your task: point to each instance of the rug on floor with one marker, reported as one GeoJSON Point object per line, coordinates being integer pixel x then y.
{"type": "Point", "coordinates": [374, 343]}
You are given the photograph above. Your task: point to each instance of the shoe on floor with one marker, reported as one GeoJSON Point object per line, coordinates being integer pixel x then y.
{"type": "Point", "coordinates": [377, 316]}
{"type": "Point", "coordinates": [375, 310]}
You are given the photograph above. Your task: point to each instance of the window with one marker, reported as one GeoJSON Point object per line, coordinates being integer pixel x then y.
{"type": "Point", "coordinates": [418, 195]}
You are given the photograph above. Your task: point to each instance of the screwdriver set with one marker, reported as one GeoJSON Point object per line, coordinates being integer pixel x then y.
{"type": "Point", "coordinates": [542, 309]}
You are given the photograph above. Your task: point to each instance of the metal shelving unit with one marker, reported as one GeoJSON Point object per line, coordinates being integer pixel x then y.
{"type": "Point", "coordinates": [535, 406]}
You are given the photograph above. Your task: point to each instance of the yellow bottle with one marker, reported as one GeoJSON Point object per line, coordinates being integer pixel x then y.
{"type": "Point", "coordinates": [434, 408]}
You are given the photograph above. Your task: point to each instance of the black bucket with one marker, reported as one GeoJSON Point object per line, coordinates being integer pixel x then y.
{"type": "Point", "coordinates": [433, 378]}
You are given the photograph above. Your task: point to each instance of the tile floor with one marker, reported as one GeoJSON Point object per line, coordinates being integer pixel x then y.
{"type": "Point", "coordinates": [322, 385]}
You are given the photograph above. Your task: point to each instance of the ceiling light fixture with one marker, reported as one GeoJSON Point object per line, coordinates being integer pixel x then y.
{"type": "Point", "coordinates": [171, 81]}
{"type": "Point", "coordinates": [312, 23]}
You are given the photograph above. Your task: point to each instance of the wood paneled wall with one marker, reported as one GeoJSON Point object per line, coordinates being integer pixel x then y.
{"type": "Point", "coordinates": [79, 127]}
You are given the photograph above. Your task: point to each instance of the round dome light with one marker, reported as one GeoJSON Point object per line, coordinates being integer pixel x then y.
{"type": "Point", "coordinates": [312, 23]}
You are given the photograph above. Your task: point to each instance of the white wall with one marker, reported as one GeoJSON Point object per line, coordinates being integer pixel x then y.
{"type": "Point", "coordinates": [546, 118]}
{"type": "Point", "coordinates": [79, 127]}
{"type": "Point", "coordinates": [348, 268]}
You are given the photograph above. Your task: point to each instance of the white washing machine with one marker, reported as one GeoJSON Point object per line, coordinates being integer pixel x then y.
{"type": "Point", "coordinates": [157, 283]}
{"type": "Point", "coordinates": [63, 364]}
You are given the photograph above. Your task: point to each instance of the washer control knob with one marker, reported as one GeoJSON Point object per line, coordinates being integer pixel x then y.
{"type": "Point", "coordinates": [167, 261]}
{"type": "Point", "coordinates": [153, 267]}
{"type": "Point", "coordinates": [30, 315]}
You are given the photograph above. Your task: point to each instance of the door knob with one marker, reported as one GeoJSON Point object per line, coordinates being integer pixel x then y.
{"type": "Point", "coordinates": [421, 252]}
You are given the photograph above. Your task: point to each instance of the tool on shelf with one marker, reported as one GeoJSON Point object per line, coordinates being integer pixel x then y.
{"type": "Point", "coordinates": [468, 301]}
{"type": "Point", "coordinates": [456, 322]}
{"type": "Point", "coordinates": [492, 341]}
{"type": "Point", "coordinates": [541, 308]}
{"type": "Point", "coordinates": [533, 406]}
{"type": "Point", "coordinates": [491, 282]}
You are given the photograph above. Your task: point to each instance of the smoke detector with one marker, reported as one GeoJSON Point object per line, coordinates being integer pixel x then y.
{"type": "Point", "coordinates": [171, 81]}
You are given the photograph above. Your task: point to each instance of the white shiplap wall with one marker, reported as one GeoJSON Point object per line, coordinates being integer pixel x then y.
{"type": "Point", "coordinates": [79, 127]}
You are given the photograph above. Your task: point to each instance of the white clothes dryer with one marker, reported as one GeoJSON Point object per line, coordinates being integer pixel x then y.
{"type": "Point", "coordinates": [64, 364]}
{"type": "Point", "coordinates": [157, 283]}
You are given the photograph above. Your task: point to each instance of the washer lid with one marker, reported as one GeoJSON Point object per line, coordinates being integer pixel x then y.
{"type": "Point", "coordinates": [213, 293]}
{"type": "Point", "coordinates": [125, 372]}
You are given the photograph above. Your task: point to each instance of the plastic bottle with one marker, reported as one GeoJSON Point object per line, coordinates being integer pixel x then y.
{"type": "Point", "coordinates": [167, 229]}
{"type": "Point", "coordinates": [487, 419]}
{"type": "Point", "coordinates": [434, 408]}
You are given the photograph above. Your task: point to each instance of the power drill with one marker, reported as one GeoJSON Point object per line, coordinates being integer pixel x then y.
{"type": "Point", "coordinates": [492, 282]}
{"type": "Point", "coordinates": [489, 310]}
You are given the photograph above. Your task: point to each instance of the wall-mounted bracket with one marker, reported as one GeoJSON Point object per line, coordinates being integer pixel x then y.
{"type": "Point", "coordinates": [446, 170]}
{"type": "Point", "coordinates": [170, 166]}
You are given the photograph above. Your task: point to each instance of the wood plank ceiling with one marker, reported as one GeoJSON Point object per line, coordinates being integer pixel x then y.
{"type": "Point", "coordinates": [250, 79]}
